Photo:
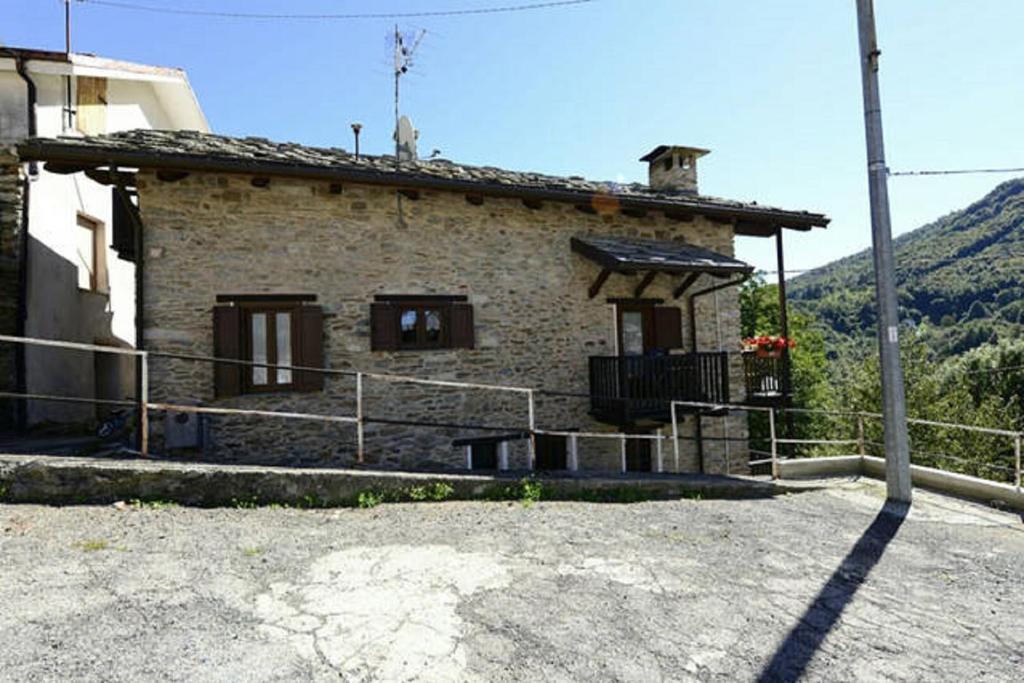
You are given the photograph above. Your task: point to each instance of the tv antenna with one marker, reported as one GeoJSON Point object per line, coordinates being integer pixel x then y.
{"type": "Point", "coordinates": [404, 53]}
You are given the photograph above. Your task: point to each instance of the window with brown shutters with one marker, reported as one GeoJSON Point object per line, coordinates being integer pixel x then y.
{"type": "Point", "coordinates": [275, 335]}
{"type": "Point", "coordinates": [416, 322]}
{"type": "Point", "coordinates": [644, 327]}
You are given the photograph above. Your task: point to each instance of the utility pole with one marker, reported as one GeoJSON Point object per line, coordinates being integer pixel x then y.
{"type": "Point", "coordinates": [894, 405]}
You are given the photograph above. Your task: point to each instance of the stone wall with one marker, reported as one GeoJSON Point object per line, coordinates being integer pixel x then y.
{"type": "Point", "coordinates": [11, 207]}
{"type": "Point", "coordinates": [535, 326]}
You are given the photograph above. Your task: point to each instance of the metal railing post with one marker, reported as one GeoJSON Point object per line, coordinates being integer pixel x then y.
{"type": "Point", "coordinates": [360, 434]}
{"type": "Point", "coordinates": [860, 435]}
{"type": "Point", "coordinates": [675, 438]}
{"type": "Point", "coordinates": [623, 444]}
{"type": "Point", "coordinates": [574, 454]}
{"type": "Point", "coordinates": [503, 455]}
{"type": "Point", "coordinates": [659, 465]}
{"type": "Point", "coordinates": [144, 403]}
{"type": "Point", "coordinates": [775, 448]}
{"type": "Point", "coordinates": [1016, 448]}
{"type": "Point", "coordinates": [533, 435]}
{"type": "Point", "coordinates": [469, 457]}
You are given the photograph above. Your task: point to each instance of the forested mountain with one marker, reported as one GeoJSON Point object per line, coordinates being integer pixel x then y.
{"type": "Point", "coordinates": [960, 282]}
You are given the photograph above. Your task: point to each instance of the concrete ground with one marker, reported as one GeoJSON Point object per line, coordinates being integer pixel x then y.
{"type": "Point", "coordinates": [815, 584]}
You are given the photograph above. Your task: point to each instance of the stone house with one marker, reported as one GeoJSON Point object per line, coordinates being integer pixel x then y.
{"type": "Point", "coordinates": [61, 272]}
{"type": "Point", "coordinates": [606, 299]}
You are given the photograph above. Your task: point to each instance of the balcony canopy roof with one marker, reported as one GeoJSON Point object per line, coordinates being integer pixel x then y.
{"type": "Point", "coordinates": [635, 255]}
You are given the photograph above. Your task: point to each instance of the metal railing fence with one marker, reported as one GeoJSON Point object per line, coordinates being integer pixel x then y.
{"type": "Point", "coordinates": [144, 405]}
{"type": "Point", "coordinates": [861, 421]}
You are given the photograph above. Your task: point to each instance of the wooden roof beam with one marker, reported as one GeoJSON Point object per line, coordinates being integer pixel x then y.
{"type": "Point", "coordinates": [645, 283]}
{"type": "Point", "coordinates": [685, 284]}
{"type": "Point", "coordinates": [598, 283]}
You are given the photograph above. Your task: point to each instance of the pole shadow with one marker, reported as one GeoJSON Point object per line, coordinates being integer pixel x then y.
{"type": "Point", "coordinates": [791, 659]}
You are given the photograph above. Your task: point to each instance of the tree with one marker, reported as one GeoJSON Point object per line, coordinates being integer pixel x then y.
{"type": "Point", "coordinates": [759, 315]}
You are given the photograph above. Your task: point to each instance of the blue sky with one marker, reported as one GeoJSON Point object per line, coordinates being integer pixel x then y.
{"type": "Point", "coordinates": [773, 88]}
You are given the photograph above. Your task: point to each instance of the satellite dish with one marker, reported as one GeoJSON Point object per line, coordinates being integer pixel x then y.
{"type": "Point", "coordinates": [406, 139]}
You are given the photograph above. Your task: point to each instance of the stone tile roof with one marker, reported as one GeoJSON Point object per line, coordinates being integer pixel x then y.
{"type": "Point", "coordinates": [633, 253]}
{"type": "Point", "coordinates": [188, 148]}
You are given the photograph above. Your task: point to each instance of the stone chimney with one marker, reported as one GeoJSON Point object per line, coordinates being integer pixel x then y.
{"type": "Point", "coordinates": [673, 168]}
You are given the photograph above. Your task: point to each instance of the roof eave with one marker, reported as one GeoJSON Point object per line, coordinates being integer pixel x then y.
{"type": "Point", "coordinates": [747, 220]}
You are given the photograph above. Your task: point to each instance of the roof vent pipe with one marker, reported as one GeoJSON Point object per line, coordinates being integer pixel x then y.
{"type": "Point", "coordinates": [356, 127]}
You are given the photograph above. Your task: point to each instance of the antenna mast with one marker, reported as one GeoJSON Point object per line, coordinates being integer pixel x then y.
{"type": "Point", "coordinates": [67, 26]}
{"type": "Point", "coordinates": [403, 62]}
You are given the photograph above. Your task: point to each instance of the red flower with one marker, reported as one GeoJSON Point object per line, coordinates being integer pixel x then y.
{"type": "Point", "coordinates": [766, 342]}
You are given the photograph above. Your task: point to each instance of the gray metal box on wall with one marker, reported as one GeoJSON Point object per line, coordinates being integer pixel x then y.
{"type": "Point", "coordinates": [184, 430]}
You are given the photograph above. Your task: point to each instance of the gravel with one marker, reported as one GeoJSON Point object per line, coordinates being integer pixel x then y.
{"type": "Point", "coordinates": [816, 584]}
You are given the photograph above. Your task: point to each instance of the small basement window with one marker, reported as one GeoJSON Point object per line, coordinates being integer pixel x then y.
{"type": "Point", "coordinates": [484, 455]}
{"type": "Point", "coordinates": [418, 322]}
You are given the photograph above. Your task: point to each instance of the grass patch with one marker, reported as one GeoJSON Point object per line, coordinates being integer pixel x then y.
{"type": "Point", "coordinates": [93, 545]}
{"type": "Point", "coordinates": [527, 491]}
{"type": "Point", "coordinates": [434, 492]}
{"type": "Point", "coordinates": [154, 504]}
{"type": "Point", "coordinates": [252, 551]}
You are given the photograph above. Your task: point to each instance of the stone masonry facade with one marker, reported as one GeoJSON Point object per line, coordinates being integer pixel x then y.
{"type": "Point", "coordinates": [11, 208]}
{"type": "Point", "coordinates": [210, 235]}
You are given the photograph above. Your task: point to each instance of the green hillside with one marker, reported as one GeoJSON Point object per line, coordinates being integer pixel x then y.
{"type": "Point", "coordinates": [960, 282]}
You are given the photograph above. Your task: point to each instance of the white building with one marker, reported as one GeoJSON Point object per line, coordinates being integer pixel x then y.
{"type": "Point", "coordinates": [72, 285]}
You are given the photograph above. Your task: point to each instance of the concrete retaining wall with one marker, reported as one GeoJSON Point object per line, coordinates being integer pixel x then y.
{"type": "Point", "coordinates": [61, 480]}
{"type": "Point", "coordinates": [961, 485]}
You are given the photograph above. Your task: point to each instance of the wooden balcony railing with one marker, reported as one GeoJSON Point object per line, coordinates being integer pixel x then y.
{"type": "Point", "coordinates": [624, 389]}
{"type": "Point", "coordinates": [762, 376]}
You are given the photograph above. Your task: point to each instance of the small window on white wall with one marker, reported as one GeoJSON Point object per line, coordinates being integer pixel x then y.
{"type": "Point", "coordinates": [91, 255]}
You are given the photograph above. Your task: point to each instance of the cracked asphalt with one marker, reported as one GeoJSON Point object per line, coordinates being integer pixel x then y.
{"type": "Point", "coordinates": [815, 585]}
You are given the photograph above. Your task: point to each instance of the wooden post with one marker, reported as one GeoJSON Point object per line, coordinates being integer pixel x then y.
{"type": "Point", "coordinates": [360, 435]}
{"type": "Point", "coordinates": [783, 312]}
{"type": "Point", "coordinates": [860, 435]}
{"type": "Point", "coordinates": [787, 376]}
{"type": "Point", "coordinates": [533, 435]}
{"type": "Point", "coordinates": [1016, 448]}
{"type": "Point", "coordinates": [574, 456]}
{"type": "Point", "coordinates": [144, 403]}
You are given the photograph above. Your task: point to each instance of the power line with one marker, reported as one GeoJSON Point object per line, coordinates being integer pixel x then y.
{"type": "Point", "coordinates": [914, 260]}
{"type": "Point", "coordinates": [551, 4]}
{"type": "Point", "coordinates": [987, 371]}
{"type": "Point", "coordinates": [963, 171]}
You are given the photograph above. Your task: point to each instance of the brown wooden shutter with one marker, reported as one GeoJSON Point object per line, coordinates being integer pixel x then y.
{"type": "Point", "coordinates": [309, 350]}
{"type": "Point", "coordinates": [668, 327]}
{"type": "Point", "coordinates": [124, 215]}
{"type": "Point", "coordinates": [462, 326]}
{"type": "Point", "coordinates": [227, 343]}
{"type": "Point", "coordinates": [383, 327]}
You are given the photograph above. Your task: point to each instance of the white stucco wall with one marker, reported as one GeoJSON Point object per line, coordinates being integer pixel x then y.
{"type": "Point", "coordinates": [57, 308]}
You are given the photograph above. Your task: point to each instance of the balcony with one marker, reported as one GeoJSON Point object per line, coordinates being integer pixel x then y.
{"type": "Point", "coordinates": [628, 389]}
{"type": "Point", "coordinates": [763, 376]}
